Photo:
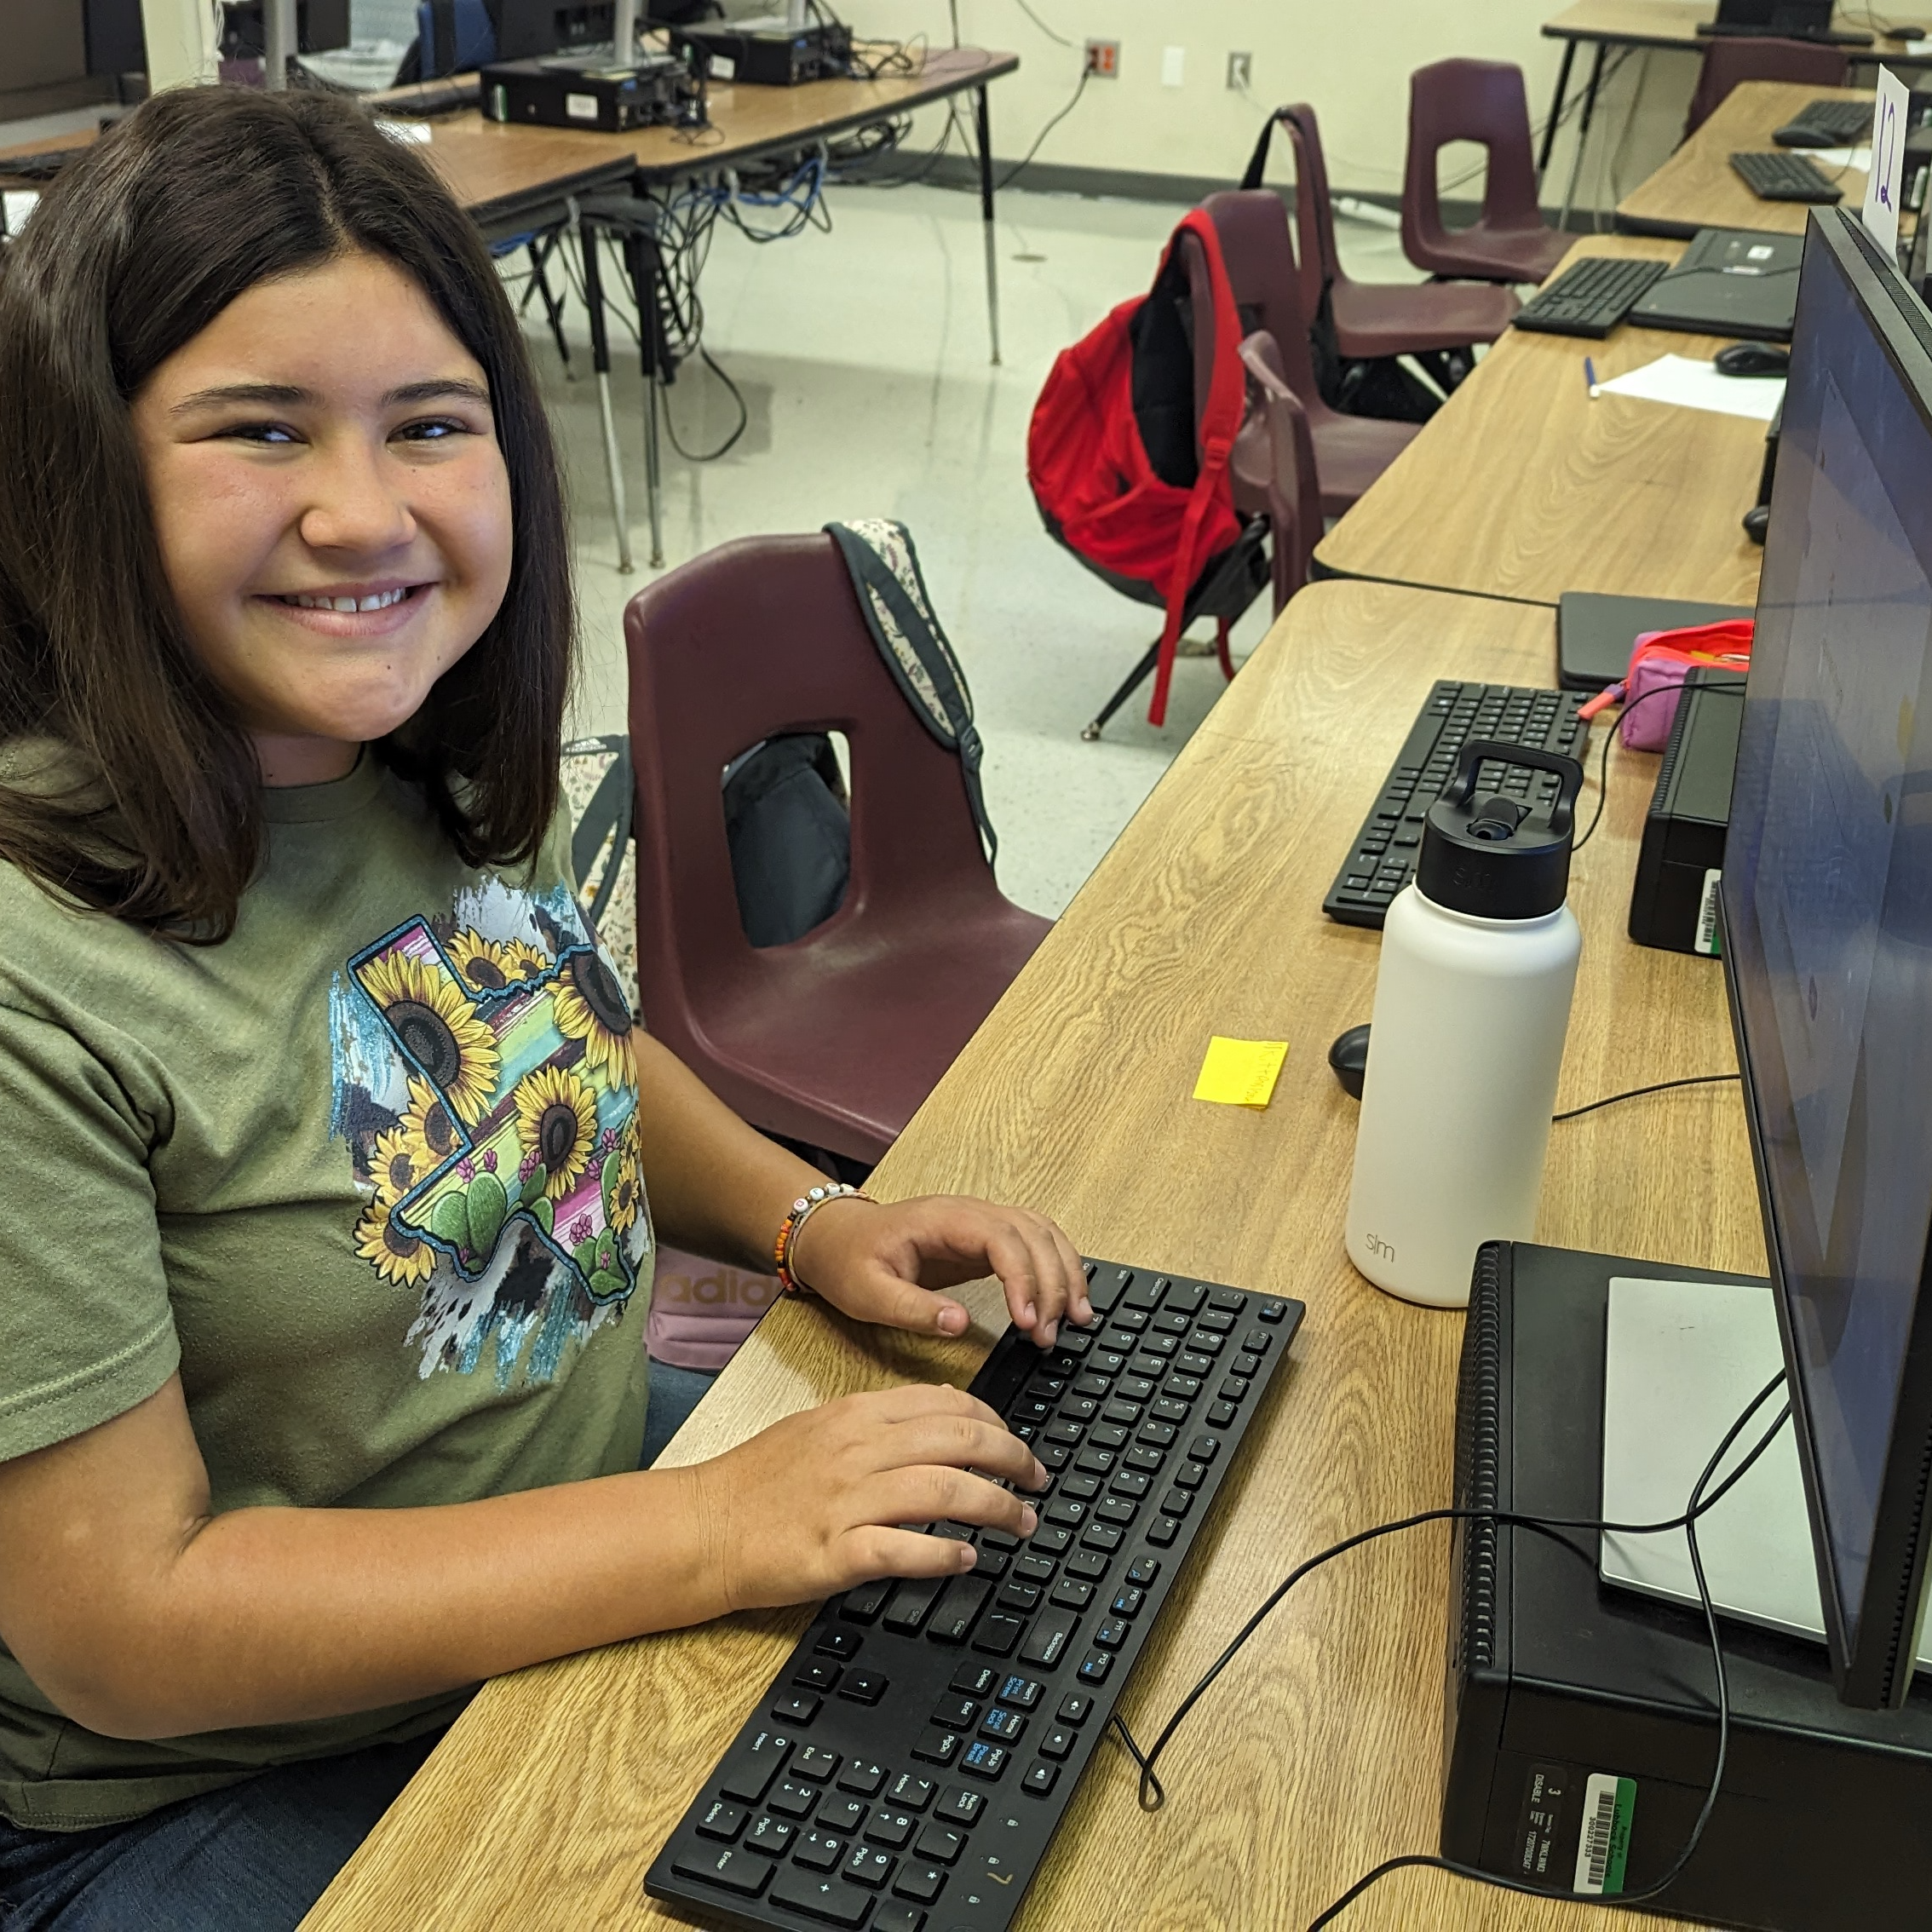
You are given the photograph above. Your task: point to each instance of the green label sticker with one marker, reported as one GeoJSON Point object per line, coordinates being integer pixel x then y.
{"type": "Point", "coordinates": [1603, 1844]}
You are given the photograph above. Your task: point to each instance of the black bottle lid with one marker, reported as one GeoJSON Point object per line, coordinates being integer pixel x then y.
{"type": "Point", "coordinates": [1496, 857]}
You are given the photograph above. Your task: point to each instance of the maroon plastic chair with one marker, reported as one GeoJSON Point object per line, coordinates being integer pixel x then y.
{"type": "Point", "coordinates": [1274, 466]}
{"type": "Point", "coordinates": [835, 1039]}
{"type": "Point", "coordinates": [1372, 319]}
{"type": "Point", "coordinates": [1726, 62]}
{"type": "Point", "coordinates": [1350, 451]}
{"type": "Point", "coordinates": [1481, 101]}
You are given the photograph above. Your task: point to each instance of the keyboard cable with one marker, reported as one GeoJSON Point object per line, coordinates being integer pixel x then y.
{"type": "Point", "coordinates": [1152, 1796]}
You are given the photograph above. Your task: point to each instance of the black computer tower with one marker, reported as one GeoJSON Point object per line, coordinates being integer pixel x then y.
{"type": "Point", "coordinates": [1825, 1823]}
{"type": "Point", "coordinates": [1673, 902]}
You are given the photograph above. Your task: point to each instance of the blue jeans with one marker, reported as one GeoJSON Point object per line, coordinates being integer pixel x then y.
{"type": "Point", "coordinates": [675, 1393]}
{"type": "Point", "coordinates": [251, 1857]}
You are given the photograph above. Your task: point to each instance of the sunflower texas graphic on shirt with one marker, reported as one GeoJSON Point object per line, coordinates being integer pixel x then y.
{"type": "Point", "coordinates": [365, 1175]}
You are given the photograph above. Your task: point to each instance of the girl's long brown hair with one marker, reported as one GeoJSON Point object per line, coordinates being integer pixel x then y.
{"type": "Point", "coordinates": [149, 807]}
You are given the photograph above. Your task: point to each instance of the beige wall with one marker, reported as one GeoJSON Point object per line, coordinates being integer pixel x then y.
{"type": "Point", "coordinates": [1350, 58]}
{"type": "Point", "coordinates": [181, 41]}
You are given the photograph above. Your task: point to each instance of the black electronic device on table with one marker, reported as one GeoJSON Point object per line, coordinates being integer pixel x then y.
{"type": "Point", "coordinates": [769, 54]}
{"type": "Point", "coordinates": [1775, 176]}
{"type": "Point", "coordinates": [1827, 123]}
{"type": "Point", "coordinates": [1590, 297]}
{"type": "Point", "coordinates": [1382, 859]}
{"type": "Point", "coordinates": [1596, 633]}
{"type": "Point", "coordinates": [910, 1763]}
{"type": "Point", "coordinates": [1581, 1680]}
{"type": "Point", "coordinates": [1729, 282]}
{"type": "Point", "coordinates": [321, 26]}
{"type": "Point", "coordinates": [1783, 19]}
{"type": "Point", "coordinates": [594, 93]}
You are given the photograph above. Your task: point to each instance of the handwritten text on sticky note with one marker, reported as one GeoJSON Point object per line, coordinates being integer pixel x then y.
{"type": "Point", "coordinates": [1240, 1073]}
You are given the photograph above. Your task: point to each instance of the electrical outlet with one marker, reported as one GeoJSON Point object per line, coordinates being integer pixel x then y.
{"type": "Point", "coordinates": [1173, 66]}
{"type": "Point", "coordinates": [1240, 73]}
{"type": "Point", "coordinates": [1103, 60]}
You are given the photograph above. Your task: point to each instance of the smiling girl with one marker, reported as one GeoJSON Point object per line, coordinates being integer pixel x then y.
{"type": "Point", "coordinates": [333, 1154]}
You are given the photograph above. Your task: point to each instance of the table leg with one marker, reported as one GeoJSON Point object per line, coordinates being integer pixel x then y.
{"type": "Point", "coordinates": [600, 362]}
{"type": "Point", "coordinates": [980, 117]}
{"type": "Point", "coordinates": [1555, 118]}
{"type": "Point", "coordinates": [1583, 134]}
{"type": "Point", "coordinates": [641, 257]}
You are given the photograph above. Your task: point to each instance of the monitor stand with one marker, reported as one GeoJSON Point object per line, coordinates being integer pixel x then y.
{"type": "Point", "coordinates": [1682, 1360]}
{"type": "Point", "coordinates": [1580, 1725]}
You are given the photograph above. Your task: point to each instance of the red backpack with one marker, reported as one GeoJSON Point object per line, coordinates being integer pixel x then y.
{"type": "Point", "coordinates": [1122, 475]}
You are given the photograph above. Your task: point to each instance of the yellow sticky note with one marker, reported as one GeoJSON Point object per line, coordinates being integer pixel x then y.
{"type": "Point", "coordinates": [1240, 1073]}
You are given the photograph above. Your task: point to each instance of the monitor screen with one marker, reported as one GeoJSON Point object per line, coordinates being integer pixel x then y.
{"type": "Point", "coordinates": [1827, 899]}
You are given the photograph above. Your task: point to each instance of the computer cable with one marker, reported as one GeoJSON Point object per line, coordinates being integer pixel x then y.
{"type": "Point", "coordinates": [1026, 160]}
{"type": "Point", "coordinates": [1638, 1093]}
{"type": "Point", "coordinates": [1609, 736]}
{"type": "Point", "coordinates": [1152, 1796]}
{"type": "Point", "coordinates": [1059, 39]}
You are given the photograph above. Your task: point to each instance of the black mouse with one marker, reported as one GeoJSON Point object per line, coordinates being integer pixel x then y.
{"type": "Point", "coordinates": [1753, 358]}
{"type": "Point", "coordinates": [1756, 521]}
{"type": "Point", "coordinates": [1349, 1056]}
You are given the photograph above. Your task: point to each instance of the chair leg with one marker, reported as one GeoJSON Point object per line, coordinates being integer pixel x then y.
{"type": "Point", "coordinates": [1135, 678]}
{"type": "Point", "coordinates": [1221, 648]}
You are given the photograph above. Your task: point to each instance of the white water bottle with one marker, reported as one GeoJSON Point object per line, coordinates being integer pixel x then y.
{"type": "Point", "coordinates": [1472, 1002]}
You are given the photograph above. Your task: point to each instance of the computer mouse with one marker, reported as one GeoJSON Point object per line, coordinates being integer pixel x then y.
{"type": "Point", "coordinates": [1756, 521]}
{"type": "Point", "coordinates": [1905, 30]}
{"type": "Point", "coordinates": [1753, 358]}
{"type": "Point", "coordinates": [1349, 1056]}
{"type": "Point", "coordinates": [1799, 135]}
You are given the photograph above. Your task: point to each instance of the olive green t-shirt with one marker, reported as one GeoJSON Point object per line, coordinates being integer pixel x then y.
{"type": "Point", "coordinates": [366, 1174]}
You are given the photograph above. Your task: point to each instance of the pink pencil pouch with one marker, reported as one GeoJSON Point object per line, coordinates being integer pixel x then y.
{"type": "Point", "coordinates": [1659, 663]}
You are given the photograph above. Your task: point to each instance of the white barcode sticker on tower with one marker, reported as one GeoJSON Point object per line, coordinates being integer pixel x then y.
{"type": "Point", "coordinates": [1706, 941]}
{"type": "Point", "coordinates": [1603, 1845]}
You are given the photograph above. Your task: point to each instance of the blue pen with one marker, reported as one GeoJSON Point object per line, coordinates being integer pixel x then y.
{"type": "Point", "coordinates": [1589, 377]}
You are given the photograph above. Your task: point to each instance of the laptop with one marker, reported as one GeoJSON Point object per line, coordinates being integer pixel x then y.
{"type": "Point", "coordinates": [1740, 282]}
{"type": "Point", "coordinates": [1784, 19]}
{"type": "Point", "coordinates": [1595, 633]}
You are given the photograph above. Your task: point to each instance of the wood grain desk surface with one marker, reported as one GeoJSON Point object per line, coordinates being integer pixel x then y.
{"type": "Point", "coordinates": [1671, 23]}
{"type": "Point", "coordinates": [1318, 1754]}
{"type": "Point", "coordinates": [1521, 487]}
{"type": "Point", "coordinates": [1699, 188]}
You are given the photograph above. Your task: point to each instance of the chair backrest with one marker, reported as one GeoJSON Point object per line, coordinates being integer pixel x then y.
{"type": "Point", "coordinates": [1477, 101]}
{"type": "Point", "coordinates": [1728, 61]}
{"type": "Point", "coordinates": [758, 637]}
{"type": "Point", "coordinates": [1320, 260]}
{"type": "Point", "coordinates": [1259, 254]}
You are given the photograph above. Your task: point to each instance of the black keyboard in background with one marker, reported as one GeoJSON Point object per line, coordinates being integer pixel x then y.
{"type": "Point", "coordinates": [1591, 296]}
{"type": "Point", "coordinates": [1779, 176]}
{"type": "Point", "coordinates": [1828, 123]}
{"type": "Point", "coordinates": [907, 1769]}
{"type": "Point", "coordinates": [1383, 858]}
{"type": "Point", "coordinates": [41, 167]}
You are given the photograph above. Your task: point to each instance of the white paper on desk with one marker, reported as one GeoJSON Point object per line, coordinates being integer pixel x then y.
{"type": "Point", "coordinates": [15, 205]}
{"type": "Point", "coordinates": [1835, 160]}
{"type": "Point", "coordinates": [1883, 184]}
{"type": "Point", "coordinates": [1690, 384]}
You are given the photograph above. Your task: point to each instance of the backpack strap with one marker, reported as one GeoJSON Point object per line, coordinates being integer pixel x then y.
{"type": "Point", "coordinates": [1220, 422]}
{"type": "Point", "coordinates": [899, 613]}
{"type": "Point", "coordinates": [1258, 160]}
{"type": "Point", "coordinates": [605, 818]}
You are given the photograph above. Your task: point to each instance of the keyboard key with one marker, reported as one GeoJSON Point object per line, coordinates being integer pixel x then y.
{"type": "Point", "coordinates": [1102, 1536]}
{"type": "Point", "coordinates": [861, 1605]}
{"type": "Point", "coordinates": [1106, 1362]}
{"type": "Point", "coordinates": [960, 1805]}
{"type": "Point", "coordinates": [910, 1603]}
{"type": "Point", "coordinates": [1170, 1322]}
{"type": "Point", "coordinates": [1112, 1634]}
{"type": "Point", "coordinates": [863, 1686]}
{"type": "Point", "coordinates": [1233, 1388]}
{"type": "Point", "coordinates": [963, 1599]}
{"type": "Point", "coordinates": [1021, 1598]}
{"type": "Point", "coordinates": [1221, 1414]}
{"type": "Point", "coordinates": [1094, 1667]}
{"type": "Point", "coordinates": [721, 1821]}
{"type": "Point", "coordinates": [1215, 1321]}
{"type": "Point", "coordinates": [1144, 1571]}
{"type": "Point", "coordinates": [830, 1899]}
{"type": "Point", "coordinates": [819, 1677]}
{"type": "Point", "coordinates": [838, 1643]}
{"type": "Point", "coordinates": [1117, 1410]}
{"type": "Point", "coordinates": [1050, 1542]}
{"type": "Point", "coordinates": [865, 1867]}
{"type": "Point", "coordinates": [1189, 1475]}
{"type": "Point", "coordinates": [1229, 1299]}
{"type": "Point", "coordinates": [794, 1801]}
{"type": "Point", "coordinates": [1057, 1743]}
{"type": "Point", "coordinates": [1078, 1408]}
{"type": "Point", "coordinates": [819, 1851]}
{"type": "Point", "coordinates": [1145, 1295]}
{"type": "Point", "coordinates": [1272, 1311]}
{"type": "Point", "coordinates": [751, 1769]}
{"type": "Point", "coordinates": [974, 1680]}
{"type": "Point", "coordinates": [1177, 1501]}
{"type": "Point", "coordinates": [814, 1761]}
{"type": "Point", "coordinates": [1035, 1569]}
{"type": "Point", "coordinates": [1067, 1434]}
{"type": "Point", "coordinates": [1069, 1512]}
{"type": "Point", "coordinates": [800, 1707]}
{"type": "Point", "coordinates": [999, 1539]}
{"type": "Point", "coordinates": [736, 1871]}
{"type": "Point", "coordinates": [991, 1563]}
{"type": "Point", "coordinates": [955, 1713]}
{"type": "Point", "coordinates": [845, 1814]}
{"type": "Point", "coordinates": [1040, 1777]}
{"type": "Point", "coordinates": [1161, 1345]}
{"type": "Point", "coordinates": [1094, 1461]}
{"type": "Point", "coordinates": [1115, 1509]}
{"type": "Point", "coordinates": [892, 1829]}
{"type": "Point", "coordinates": [1205, 1448]}
{"type": "Point", "coordinates": [983, 1760]}
{"type": "Point", "coordinates": [1075, 1708]}
{"type": "Point", "coordinates": [1131, 1482]}
{"type": "Point", "coordinates": [1246, 1365]}
{"type": "Point", "coordinates": [1182, 1388]}
{"type": "Point", "coordinates": [1089, 1564]}
{"type": "Point", "coordinates": [1105, 1285]}
{"type": "Point", "coordinates": [941, 1844]}
{"type": "Point", "coordinates": [772, 1836]}
{"type": "Point", "coordinates": [998, 1633]}
{"type": "Point", "coordinates": [1021, 1692]}
{"type": "Point", "coordinates": [1083, 1488]}
{"type": "Point", "coordinates": [1002, 1727]}
{"type": "Point", "coordinates": [1162, 1531]}
{"type": "Point", "coordinates": [910, 1790]}
{"type": "Point", "coordinates": [1071, 1594]}
{"type": "Point", "coordinates": [1186, 1297]}
{"type": "Point", "coordinates": [1156, 1435]}
{"type": "Point", "coordinates": [1146, 1460]}
{"type": "Point", "coordinates": [1168, 1410]}
{"type": "Point", "coordinates": [1204, 1342]}
{"type": "Point", "coordinates": [936, 1746]}
{"type": "Point", "coordinates": [1051, 1633]}
{"type": "Point", "coordinates": [922, 1882]}
{"type": "Point", "coordinates": [863, 1778]}
{"type": "Point", "coordinates": [1129, 1602]}
{"type": "Point", "coordinates": [1257, 1341]}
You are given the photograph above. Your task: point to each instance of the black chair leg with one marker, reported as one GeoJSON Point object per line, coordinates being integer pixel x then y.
{"type": "Point", "coordinates": [1135, 678]}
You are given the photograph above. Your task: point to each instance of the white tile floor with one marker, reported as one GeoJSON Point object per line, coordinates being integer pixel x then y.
{"type": "Point", "coordinates": [863, 355]}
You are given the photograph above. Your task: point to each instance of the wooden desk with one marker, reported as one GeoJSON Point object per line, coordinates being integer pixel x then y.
{"type": "Point", "coordinates": [1521, 486]}
{"type": "Point", "coordinates": [1317, 1755]}
{"type": "Point", "coordinates": [1699, 188]}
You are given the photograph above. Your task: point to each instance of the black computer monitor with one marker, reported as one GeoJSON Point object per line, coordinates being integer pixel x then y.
{"type": "Point", "coordinates": [1827, 902]}
{"type": "Point", "coordinates": [527, 29]}
{"type": "Point", "coordinates": [1804, 18]}
{"type": "Point", "coordinates": [320, 26]}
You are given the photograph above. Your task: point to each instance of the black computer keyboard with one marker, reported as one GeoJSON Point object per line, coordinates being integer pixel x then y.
{"type": "Point", "coordinates": [1785, 177]}
{"type": "Point", "coordinates": [1827, 123]}
{"type": "Point", "coordinates": [1754, 30]}
{"type": "Point", "coordinates": [907, 1767]}
{"type": "Point", "coordinates": [41, 167]}
{"type": "Point", "coordinates": [1383, 858]}
{"type": "Point", "coordinates": [1590, 297]}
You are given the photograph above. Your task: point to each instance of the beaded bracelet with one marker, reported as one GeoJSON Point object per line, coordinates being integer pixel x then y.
{"type": "Point", "coordinates": [802, 1210]}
